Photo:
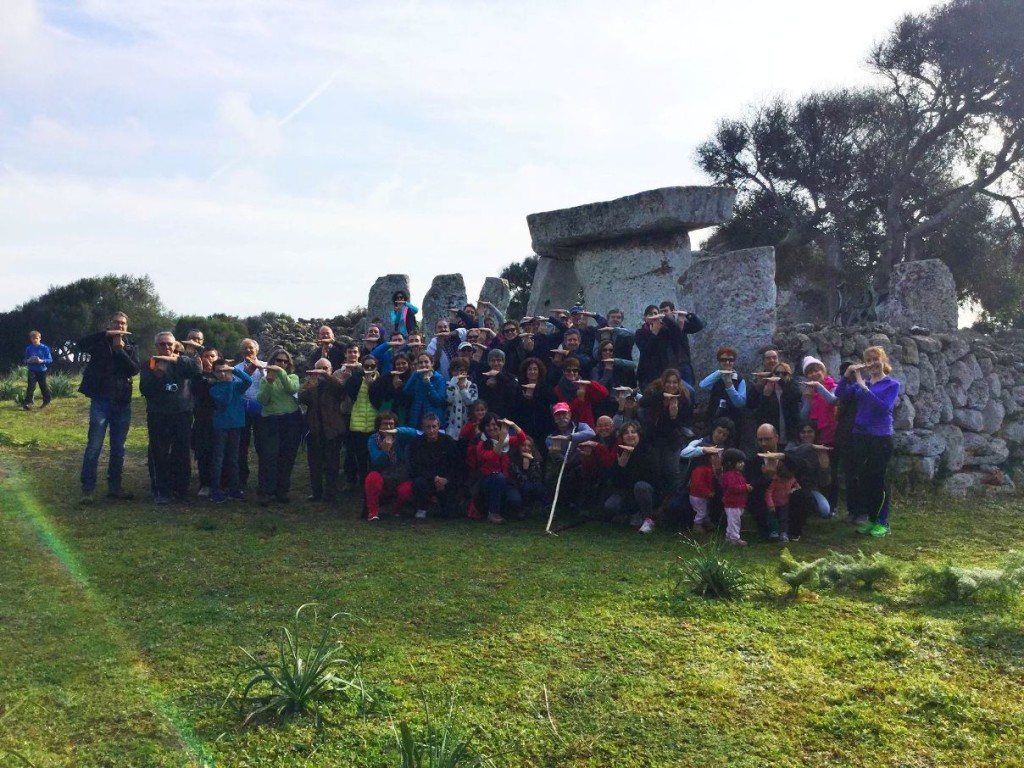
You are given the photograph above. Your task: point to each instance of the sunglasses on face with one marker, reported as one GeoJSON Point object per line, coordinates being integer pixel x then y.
{"type": "Point", "coordinates": [369, 367]}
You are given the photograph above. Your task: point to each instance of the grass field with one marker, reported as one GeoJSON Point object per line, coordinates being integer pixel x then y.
{"type": "Point", "coordinates": [120, 629]}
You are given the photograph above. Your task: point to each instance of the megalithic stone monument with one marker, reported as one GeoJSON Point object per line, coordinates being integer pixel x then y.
{"type": "Point", "coordinates": [445, 291]}
{"type": "Point", "coordinates": [625, 253]}
{"type": "Point", "coordinates": [634, 251]}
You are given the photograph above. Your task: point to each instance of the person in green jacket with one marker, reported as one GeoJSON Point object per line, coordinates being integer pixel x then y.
{"type": "Point", "coordinates": [282, 426]}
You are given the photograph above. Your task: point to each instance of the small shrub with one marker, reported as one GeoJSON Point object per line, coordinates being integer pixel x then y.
{"type": "Point", "coordinates": [301, 675]}
{"type": "Point", "coordinates": [952, 584]}
{"type": "Point", "coordinates": [798, 574]}
{"type": "Point", "coordinates": [61, 385]}
{"type": "Point", "coordinates": [11, 388]}
{"type": "Point", "coordinates": [437, 744]}
{"type": "Point", "coordinates": [710, 575]}
{"type": "Point", "coordinates": [850, 570]}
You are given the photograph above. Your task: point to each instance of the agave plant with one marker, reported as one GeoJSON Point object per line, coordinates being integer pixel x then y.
{"type": "Point", "coordinates": [709, 574]}
{"type": "Point", "coordinates": [436, 744]}
{"type": "Point", "coordinates": [303, 672]}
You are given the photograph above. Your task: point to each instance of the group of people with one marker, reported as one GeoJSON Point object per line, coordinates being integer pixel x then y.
{"type": "Point", "coordinates": [490, 417]}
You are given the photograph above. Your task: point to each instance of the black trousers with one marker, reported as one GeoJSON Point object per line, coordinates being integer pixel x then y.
{"type": "Point", "coordinates": [169, 466]}
{"type": "Point", "coordinates": [37, 377]}
{"type": "Point", "coordinates": [323, 454]}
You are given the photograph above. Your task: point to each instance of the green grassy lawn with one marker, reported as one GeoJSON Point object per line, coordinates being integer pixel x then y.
{"type": "Point", "coordinates": [120, 626]}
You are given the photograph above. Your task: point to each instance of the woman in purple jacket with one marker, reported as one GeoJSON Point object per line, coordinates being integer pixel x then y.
{"type": "Point", "coordinates": [871, 446]}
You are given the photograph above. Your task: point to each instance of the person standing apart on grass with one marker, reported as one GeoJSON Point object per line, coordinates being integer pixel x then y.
{"type": "Point", "coordinates": [734, 493]}
{"type": "Point", "coordinates": [166, 384]}
{"type": "Point", "coordinates": [871, 448]}
{"type": "Point", "coordinates": [228, 422]}
{"type": "Point", "coordinates": [282, 427]}
{"type": "Point", "coordinates": [38, 359]}
{"type": "Point", "coordinates": [107, 382]}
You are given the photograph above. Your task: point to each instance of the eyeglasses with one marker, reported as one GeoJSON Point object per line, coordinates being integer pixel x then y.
{"type": "Point", "coordinates": [369, 367]}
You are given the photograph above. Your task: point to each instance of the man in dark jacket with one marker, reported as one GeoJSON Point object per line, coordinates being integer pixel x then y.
{"type": "Point", "coordinates": [107, 382]}
{"type": "Point", "coordinates": [166, 384]}
{"type": "Point", "coordinates": [434, 461]}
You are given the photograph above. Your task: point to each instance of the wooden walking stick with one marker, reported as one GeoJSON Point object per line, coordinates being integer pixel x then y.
{"type": "Point", "coordinates": [558, 483]}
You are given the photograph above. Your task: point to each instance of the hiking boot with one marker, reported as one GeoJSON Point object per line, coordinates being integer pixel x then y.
{"type": "Point", "coordinates": [120, 494]}
{"type": "Point", "coordinates": [648, 526]}
{"type": "Point", "coordinates": [421, 514]}
{"type": "Point", "coordinates": [879, 530]}
{"type": "Point", "coordinates": [494, 517]}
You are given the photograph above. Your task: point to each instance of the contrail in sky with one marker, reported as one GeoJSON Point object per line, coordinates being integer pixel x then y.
{"type": "Point", "coordinates": [289, 117]}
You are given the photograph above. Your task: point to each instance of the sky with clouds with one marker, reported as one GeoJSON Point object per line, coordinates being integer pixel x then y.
{"type": "Point", "coordinates": [255, 155]}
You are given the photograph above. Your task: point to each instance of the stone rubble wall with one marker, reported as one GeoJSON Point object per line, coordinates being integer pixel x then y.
{"type": "Point", "coordinates": [959, 422]}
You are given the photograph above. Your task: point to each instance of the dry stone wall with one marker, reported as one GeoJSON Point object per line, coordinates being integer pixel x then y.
{"type": "Point", "coordinates": [959, 422]}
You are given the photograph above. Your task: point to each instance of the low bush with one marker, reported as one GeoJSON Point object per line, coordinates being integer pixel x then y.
{"type": "Point", "coordinates": [302, 673]}
{"type": "Point", "coordinates": [436, 744]}
{"type": "Point", "coordinates": [710, 575]}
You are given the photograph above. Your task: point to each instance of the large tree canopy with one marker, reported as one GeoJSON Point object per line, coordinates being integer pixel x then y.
{"type": "Point", "coordinates": [66, 313]}
{"type": "Point", "coordinates": [927, 162]}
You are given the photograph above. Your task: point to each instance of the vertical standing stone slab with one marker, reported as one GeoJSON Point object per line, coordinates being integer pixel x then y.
{"type": "Point", "coordinates": [629, 276]}
{"type": "Point", "coordinates": [555, 285]}
{"type": "Point", "coordinates": [379, 304]}
{"type": "Point", "coordinates": [734, 294]}
{"type": "Point", "coordinates": [445, 291]}
{"type": "Point", "coordinates": [496, 291]}
{"type": "Point", "coordinates": [922, 293]}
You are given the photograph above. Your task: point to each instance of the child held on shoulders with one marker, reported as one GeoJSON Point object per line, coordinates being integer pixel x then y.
{"type": "Point", "coordinates": [734, 493]}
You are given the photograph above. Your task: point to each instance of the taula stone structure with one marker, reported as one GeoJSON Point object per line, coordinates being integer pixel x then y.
{"type": "Point", "coordinates": [635, 251]}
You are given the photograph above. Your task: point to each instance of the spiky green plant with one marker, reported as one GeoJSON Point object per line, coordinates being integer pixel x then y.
{"type": "Point", "coordinates": [437, 744]}
{"type": "Point", "coordinates": [302, 673]}
{"type": "Point", "coordinates": [61, 385]}
{"type": "Point", "coordinates": [708, 574]}
{"type": "Point", "coordinates": [849, 570]}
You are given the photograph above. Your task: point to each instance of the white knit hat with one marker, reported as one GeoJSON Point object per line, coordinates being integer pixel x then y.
{"type": "Point", "coordinates": [809, 361]}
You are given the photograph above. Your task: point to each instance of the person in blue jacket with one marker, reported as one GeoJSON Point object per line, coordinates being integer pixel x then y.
{"type": "Point", "coordinates": [228, 421]}
{"type": "Point", "coordinates": [38, 359]}
{"type": "Point", "coordinates": [428, 392]}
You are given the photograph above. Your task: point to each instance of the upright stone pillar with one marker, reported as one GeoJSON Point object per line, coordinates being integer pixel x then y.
{"type": "Point", "coordinates": [445, 291]}
{"type": "Point", "coordinates": [734, 294]}
{"type": "Point", "coordinates": [379, 304]}
{"type": "Point", "coordinates": [922, 293]}
{"type": "Point", "coordinates": [555, 286]}
{"type": "Point", "coordinates": [496, 291]}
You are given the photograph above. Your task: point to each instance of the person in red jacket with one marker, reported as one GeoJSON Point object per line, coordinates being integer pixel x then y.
{"type": "Point", "coordinates": [734, 493]}
{"type": "Point", "coordinates": [488, 460]}
{"type": "Point", "coordinates": [581, 395]}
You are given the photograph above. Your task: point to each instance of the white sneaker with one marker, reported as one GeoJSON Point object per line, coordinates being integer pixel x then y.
{"type": "Point", "coordinates": [421, 514]}
{"type": "Point", "coordinates": [648, 526]}
{"type": "Point", "coordinates": [204, 492]}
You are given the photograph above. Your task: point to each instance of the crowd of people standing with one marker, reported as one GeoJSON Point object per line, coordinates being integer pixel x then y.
{"type": "Point", "coordinates": [490, 417]}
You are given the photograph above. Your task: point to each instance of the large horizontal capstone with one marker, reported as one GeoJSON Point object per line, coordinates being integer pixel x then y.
{"type": "Point", "coordinates": [655, 212]}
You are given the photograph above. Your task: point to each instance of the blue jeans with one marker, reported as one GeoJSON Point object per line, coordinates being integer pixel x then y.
{"type": "Point", "coordinates": [497, 492]}
{"type": "Point", "coordinates": [224, 459]}
{"type": "Point", "coordinates": [103, 414]}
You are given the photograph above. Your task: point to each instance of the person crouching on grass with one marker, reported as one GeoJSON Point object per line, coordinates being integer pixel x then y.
{"type": "Point", "coordinates": [734, 493]}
